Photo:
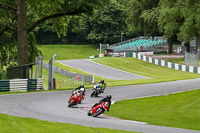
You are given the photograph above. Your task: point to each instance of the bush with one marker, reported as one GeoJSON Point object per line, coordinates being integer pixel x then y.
{"type": "Point", "coordinates": [2, 74]}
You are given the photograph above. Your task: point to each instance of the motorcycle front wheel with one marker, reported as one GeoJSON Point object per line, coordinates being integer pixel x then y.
{"type": "Point", "coordinates": [93, 93]}
{"type": "Point", "coordinates": [90, 113]}
{"type": "Point", "coordinates": [71, 103]}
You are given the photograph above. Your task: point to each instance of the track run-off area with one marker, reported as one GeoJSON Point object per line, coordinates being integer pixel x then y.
{"type": "Point", "coordinates": [52, 106]}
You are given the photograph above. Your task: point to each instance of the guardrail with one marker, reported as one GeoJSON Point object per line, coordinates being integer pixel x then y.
{"type": "Point", "coordinates": [14, 85]}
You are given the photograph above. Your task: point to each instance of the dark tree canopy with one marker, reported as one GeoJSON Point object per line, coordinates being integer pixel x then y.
{"type": "Point", "coordinates": [21, 17]}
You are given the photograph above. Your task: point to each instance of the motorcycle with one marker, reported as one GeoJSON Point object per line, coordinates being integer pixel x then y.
{"type": "Point", "coordinates": [99, 109]}
{"type": "Point", "coordinates": [96, 90]}
{"type": "Point", "coordinates": [75, 99]}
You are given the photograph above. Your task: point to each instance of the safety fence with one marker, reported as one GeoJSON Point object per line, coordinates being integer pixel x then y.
{"type": "Point", "coordinates": [14, 85]}
{"type": "Point", "coordinates": [164, 63]}
{"type": "Point", "coordinates": [63, 82]}
{"type": "Point", "coordinates": [192, 59]}
{"type": "Point", "coordinates": [72, 75]}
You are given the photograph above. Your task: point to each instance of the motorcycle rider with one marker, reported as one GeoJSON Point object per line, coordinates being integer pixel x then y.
{"type": "Point", "coordinates": [103, 85]}
{"type": "Point", "coordinates": [105, 99]}
{"type": "Point", "coordinates": [80, 90]}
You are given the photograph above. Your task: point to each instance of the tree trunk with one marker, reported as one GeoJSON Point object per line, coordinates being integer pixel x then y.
{"type": "Point", "coordinates": [22, 33]}
{"type": "Point", "coordinates": [198, 42]}
{"type": "Point", "coordinates": [170, 46]}
{"type": "Point", "coordinates": [187, 45]}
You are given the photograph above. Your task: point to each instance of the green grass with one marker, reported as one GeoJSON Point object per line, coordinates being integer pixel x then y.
{"type": "Point", "coordinates": [65, 52]}
{"type": "Point", "coordinates": [137, 109]}
{"type": "Point", "coordinates": [159, 74]}
{"type": "Point", "coordinates": [136, 66]}
{"type": "Point", "coordinates": [181, 110]}
{"type": "Point", "coordinates": [13, 124]}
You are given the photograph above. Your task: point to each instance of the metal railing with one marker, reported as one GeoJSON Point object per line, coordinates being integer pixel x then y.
{"type": "Point", "coordinates": [73, 75]}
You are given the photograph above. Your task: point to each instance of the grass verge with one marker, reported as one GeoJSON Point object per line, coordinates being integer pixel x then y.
{"type": "Point", "coordinates": [179, 110]}
{"type": "Point", "coordinates": [14, 124]}
{"type": "Point", "coordinates": [65, 52]}
{"type": "Point", "coordinates": [139, 67]}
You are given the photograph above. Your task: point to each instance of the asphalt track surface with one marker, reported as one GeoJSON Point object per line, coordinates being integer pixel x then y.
{"type": "Point", "coordinates": [100, 70]}
{"type": "Point", "coordinates": [52, 106]}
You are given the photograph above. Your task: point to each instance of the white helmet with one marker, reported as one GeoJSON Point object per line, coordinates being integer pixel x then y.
{"type": "Point", "coordinates": [82, 89]}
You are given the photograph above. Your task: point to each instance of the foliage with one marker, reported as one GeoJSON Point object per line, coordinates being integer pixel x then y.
{"type": "Point", "coordinates": [23, 16]}
{"type": "Point", "coordinates": [32, 48]}
{"type": "Point", "coordinates": [105, 25]}
{"type": "Point", "coordinates": [2, 74]}
{"type": "Point", "coordinates": [181, 17]}
{"type": "Point", "coordinates": [137, 21]}
{"type": "Point", "coordinates": [175, 110]}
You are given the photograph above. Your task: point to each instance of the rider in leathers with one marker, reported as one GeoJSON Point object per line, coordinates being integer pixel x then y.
{"type": "Point", "coordinates": [103, 85]}
{"type": "Point", "coordinates": [106, 99]}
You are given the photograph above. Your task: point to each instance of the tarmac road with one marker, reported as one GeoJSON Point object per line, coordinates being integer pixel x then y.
{"type": "Point", "coordinates": [52, 106]}
{"type": "Point", "coordinates": [100, 70]}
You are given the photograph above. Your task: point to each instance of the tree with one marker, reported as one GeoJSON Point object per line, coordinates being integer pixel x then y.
{"type": "Point", "coordinates": [152, 19]}
{"type": "Point", "coordinates": [28, 14]}
{"type": "Point", "coordinates": [104, 25]}
{"type": "Point", "coordinates": [140, 23]}
{"type": "Point", "coordinates": [181, 17]}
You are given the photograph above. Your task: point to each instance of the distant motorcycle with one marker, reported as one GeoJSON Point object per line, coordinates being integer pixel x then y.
{"type": "Point", "coordinates": [96, 90]}
{"type": "Point", "coordinates": [99, 109]}
{"type": "Point", "coordinates": [75, 99]}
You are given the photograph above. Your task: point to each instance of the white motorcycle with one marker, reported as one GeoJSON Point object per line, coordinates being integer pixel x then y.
{"type": "Point", "coordinates": [96, 90]}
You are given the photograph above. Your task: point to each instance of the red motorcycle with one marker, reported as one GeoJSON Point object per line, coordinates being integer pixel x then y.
{"type": "Point", "coordinates": [99, 109]}
{"type": "Point", "coordinates": [75, 99]}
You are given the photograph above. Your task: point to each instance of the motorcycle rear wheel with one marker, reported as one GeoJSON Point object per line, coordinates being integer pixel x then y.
{"type": "Point", "coordinates": [98, 112]}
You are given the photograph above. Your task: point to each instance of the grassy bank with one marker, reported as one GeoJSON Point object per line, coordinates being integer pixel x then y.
{"type": "Point", "coordinates": [13, 124]}
{"type": "Point", "coordinates": [65, 52]}
{"type": "Point", "coordinates": [175, 110]}
{"type": "Point", "coordinates": [136, 66]}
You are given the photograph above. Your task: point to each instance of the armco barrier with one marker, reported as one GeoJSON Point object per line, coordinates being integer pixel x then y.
{"type": "Point", "coordinates": [14, 85]}
{"type": "Point", "coordinates": [4, 85]}
{"type": "Point", "coordinates": [163, 63]}
{"type": "Point", "coordinates": [18, 85]}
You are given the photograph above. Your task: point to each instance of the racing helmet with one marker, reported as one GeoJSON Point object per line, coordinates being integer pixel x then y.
{"type": "Point", "coordinates": [102, 81]}
{"type": "Point", "coordinates": [82, 90]}
{"type": "Point", "coordinates": [109, 97]}
{"type": "Point", "coordinates": [81, 86]}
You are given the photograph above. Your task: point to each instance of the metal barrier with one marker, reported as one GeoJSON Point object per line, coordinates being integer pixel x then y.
{"type": "Point", "coordinates": [18, 85]}
{"type": "Point", "coordinates": [73, 75]}
{"type": "Point", "coordinates": [4, 85]}
{"type": "Point", "coordinates": [21, 85]}
{"type": "Point", "coordinates": [191, 59]}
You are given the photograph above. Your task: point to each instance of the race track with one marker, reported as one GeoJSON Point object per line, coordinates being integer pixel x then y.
{"type": "Point", "coordinates": [52, 106]}
{"type": "Point", "coordinates": [100, 70]}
